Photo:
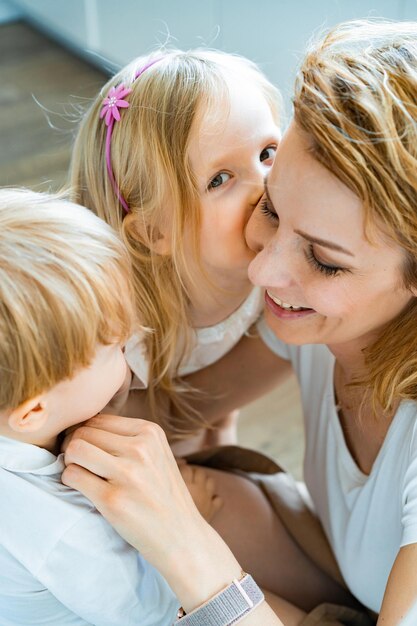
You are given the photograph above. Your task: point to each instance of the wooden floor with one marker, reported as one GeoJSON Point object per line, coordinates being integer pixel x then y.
{"type": "Point", "coordinates": [42, 84]}
{"type": "Point", "coordinates": [42, 89]}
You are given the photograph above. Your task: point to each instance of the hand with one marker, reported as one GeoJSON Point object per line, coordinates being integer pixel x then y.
{"type": "Point", "coordinates": [126, 468]}
{"type": "Point", "coordinates": [202, 489]}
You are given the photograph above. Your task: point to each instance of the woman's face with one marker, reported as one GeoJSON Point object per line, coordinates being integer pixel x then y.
{"type": "Point", "coordinates": [325, 282]}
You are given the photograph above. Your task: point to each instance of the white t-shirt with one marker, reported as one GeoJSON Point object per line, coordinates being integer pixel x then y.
{"type": "Point", "coordinates": [366, 518]}
{"type": "Point", "coordinates": [61, 563]}
{"type": "Point", "coordinates": [209, 344]}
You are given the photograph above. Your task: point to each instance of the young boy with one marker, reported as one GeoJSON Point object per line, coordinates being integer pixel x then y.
{"type": "Point", "coordinates": [65, 311]}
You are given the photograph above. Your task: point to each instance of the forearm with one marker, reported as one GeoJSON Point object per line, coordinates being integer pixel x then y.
{"type": "Point", "coordinates": [207, 570]}
{"type": "Point", "coordinates": [245, 373]}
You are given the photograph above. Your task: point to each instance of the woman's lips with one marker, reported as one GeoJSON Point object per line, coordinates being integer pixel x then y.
{"type": "Point", "coordinates": [284, 310]}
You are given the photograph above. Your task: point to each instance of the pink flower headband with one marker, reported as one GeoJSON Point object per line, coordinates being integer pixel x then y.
{"type": "Point", "coordinates": [114, 101]}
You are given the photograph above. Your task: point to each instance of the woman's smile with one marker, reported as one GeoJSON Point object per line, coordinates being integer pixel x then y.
{"type": "Point", "coordinates": [284, 310]}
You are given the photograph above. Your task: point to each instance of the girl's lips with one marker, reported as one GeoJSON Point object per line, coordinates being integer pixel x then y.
{"type": "Point", "coordinates": [286, 314]}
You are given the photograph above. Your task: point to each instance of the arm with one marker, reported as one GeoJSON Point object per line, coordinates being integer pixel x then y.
{"type": "Point", "coordinates": [135, 483]}
{"type": "Point", "coordinates": [401, 591]}
{"type": "Point", "coordinates": [245, 373]}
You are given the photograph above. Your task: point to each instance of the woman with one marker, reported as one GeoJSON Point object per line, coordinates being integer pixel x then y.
{"type": "Point", "coordinates": [336, 237]}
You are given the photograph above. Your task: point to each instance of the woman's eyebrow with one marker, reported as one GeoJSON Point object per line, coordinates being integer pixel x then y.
{"type": "Point", "coordinates": [324, 243]}
{"type": "Point", "coordinates": [310, 238]}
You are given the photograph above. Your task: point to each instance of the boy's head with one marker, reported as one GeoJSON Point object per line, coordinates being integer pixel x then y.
{"type": "Point", "coordinates": [65, 305]}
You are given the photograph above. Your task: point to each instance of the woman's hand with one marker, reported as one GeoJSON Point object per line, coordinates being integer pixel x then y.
{"type": "Point", "coordinates": [125, 465]}
{"type": "Point", "coordinates": [126, 468]}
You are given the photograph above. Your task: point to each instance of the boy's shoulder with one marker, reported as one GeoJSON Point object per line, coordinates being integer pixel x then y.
{"type": "Point", "coordinates": [38, 503]}
{"type": "Point", "coordinates": [65, 548]}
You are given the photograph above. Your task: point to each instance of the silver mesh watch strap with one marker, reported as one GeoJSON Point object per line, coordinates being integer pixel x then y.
{"type": "Point", "coordinates": [227, 607]}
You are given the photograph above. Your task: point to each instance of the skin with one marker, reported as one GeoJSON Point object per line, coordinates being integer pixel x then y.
{"type": "Point", "coordinates": [40, 420]}
{"type": "Point", "coordinates": [337, 285]}
{"type": "Point", "coordinates": [306, 203]}
{"type": "Point", "coordinates": [231, 151]}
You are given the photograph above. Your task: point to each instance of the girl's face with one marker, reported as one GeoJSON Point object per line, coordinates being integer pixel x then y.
{"type": "Point", "coordinates": [326, 283]}
{"type": "Point", "coordinates": [230, 153]}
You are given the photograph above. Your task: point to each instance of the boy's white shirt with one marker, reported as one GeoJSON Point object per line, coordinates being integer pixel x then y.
{"type": "Point", "coordinates": [61, 563]}
{"type": "Point", "coordinates": [210, 343]}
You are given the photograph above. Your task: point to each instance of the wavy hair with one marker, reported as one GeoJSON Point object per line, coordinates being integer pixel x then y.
{"type": "Point", "coordinates": [151, 166]}
{"type": "Point", "coordinates": [356, 97]}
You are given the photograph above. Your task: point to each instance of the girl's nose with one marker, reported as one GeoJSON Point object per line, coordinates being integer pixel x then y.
{"type": "Point", "coordinates": [256, 181]}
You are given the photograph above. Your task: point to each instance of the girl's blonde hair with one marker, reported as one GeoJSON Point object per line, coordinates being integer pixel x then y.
{"type": "Point", "coordinates": [64, 288]}
{"type": "Point", "coordinates": [356, 97]}
{"type": "Point", "coordinates": [149, 157]}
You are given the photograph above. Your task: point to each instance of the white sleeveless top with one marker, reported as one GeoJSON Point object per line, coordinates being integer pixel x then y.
{"type": "Point", "coordinates": [210, 343]}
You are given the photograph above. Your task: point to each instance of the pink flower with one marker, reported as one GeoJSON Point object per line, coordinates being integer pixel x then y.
{"type": "Point", "coordinates": [112, 103]}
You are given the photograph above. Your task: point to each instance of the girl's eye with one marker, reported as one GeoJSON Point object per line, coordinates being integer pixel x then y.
{"type": "Point", "coordinates": [267, 210]}
{"type": "Point", "coordinates": [328, 270]}
{"type": "Point", "coordinates": [219, 180]}
{"type": "Point", "coordinates": [268, 154]}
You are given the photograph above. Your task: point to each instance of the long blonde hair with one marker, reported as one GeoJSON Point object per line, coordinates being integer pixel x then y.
{"type": "Point", "coordinates": [356, 96]}
{"type": "Point", "coordinates": [61, 274]}
{"type": "Point", "coordinates": [151, 166]}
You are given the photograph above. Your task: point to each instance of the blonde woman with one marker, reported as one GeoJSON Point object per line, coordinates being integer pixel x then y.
{"type": "Point", "coordinates": [336, 242]}
{"type": "Point", "coordinates": [172, 154]}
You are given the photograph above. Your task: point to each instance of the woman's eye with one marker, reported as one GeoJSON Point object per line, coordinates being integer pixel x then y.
{"type": "Point", "coordinates": [267, 210]}
{"type": "Point", "coordinates": [268, 154]}
{"type": "Point", "coordinates": [327, 270]}
{"type": "Point", "coordinates": [219, 180]}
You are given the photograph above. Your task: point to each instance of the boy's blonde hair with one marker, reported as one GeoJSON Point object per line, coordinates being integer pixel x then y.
{"type": "Point", "coordinates": [149, 157]}
{"type": "Point", "coordinates": [356, 97]}
{"type": "Point", "coordinates": [64, 288]}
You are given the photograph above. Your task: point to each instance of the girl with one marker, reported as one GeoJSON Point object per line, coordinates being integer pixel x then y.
{"type": "Point", "coordinates": [173, 154]}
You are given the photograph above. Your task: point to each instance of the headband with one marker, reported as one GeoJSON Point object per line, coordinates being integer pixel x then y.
{"type": "Point", "coordinates": [114, 101]}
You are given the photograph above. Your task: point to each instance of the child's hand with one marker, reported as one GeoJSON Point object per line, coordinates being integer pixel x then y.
{"type": "Point", "coordinates": [202, 489]}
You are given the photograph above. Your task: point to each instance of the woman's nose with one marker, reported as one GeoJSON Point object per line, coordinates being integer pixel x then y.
{"type": "Point", "coordinates": [271, 267]}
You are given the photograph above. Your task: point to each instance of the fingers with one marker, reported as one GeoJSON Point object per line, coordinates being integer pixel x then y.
{"type": "Point", "coordinates": [116, 435]}
{"type": "Point", "coordinates": [93, 487]}
{"type": "Point", "coordinates": [87, 456]}
{"type": "Point", "coordinates": [202, 490]}
{"type": "Point", "coordinates": [107, 441]}
{"type": "Point", "coordinates": [126, 426]}
{"type": "Point", "coordinates": [217, 504]}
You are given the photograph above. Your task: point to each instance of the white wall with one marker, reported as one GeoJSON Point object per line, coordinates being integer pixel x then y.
{"type": "Point", "coordinates": [8, 12]}
{"type": "Point", "coordinates": [271, 32]}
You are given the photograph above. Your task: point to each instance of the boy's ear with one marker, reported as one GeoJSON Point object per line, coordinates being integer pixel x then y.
{"type": "Point", "coordinates": [157, 241]}
{"type": "Point", "coordinates": [29, 416]}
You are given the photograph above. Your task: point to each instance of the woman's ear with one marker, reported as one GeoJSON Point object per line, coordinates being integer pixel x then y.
{"type": "Point", "coordinates": [29, 416]}
{"type": "Point", "coordinates": [157, 241]}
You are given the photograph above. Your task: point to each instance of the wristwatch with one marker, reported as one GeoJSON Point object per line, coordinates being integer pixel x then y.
{"type": "Point", "coordinates": [227, 607]}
